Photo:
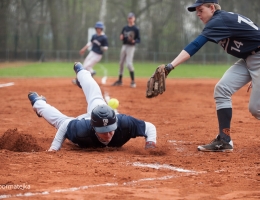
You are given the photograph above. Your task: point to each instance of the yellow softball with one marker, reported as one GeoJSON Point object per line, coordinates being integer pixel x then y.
{"type": "Point", "coordinates": [113, 103]}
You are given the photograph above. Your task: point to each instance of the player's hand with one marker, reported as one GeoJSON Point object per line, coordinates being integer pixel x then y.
{"type": "Point", "coordinates": [168, 68]}
{"type": "Point", "coordinates": [150, 145]}
{"type": "Point", "coordinates": [81, 52]}
{"type": "Point", "coordinates": [52, 150]}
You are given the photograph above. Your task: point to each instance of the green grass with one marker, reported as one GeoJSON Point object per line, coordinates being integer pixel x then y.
{"type": "Point", "coordinates": [57, 69]}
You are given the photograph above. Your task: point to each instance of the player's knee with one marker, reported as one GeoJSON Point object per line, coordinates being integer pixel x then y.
{"type": "Point", "coordinates": [222, 91]}
{"type": "Point", "coordinates": [255, 111]}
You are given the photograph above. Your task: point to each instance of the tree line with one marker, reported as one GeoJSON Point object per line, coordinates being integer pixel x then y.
{"type": "Point", "coordinates": [165, 25]}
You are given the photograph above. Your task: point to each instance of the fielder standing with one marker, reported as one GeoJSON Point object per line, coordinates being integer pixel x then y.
{"type": "Point", "coordinates": [98, 45]}
{"type": "Point", "coordinates": [130, 36]}
{"type": "Point", "coordinates": [99, 127]}
{"type": "Point", "coordinates": [240, 37]}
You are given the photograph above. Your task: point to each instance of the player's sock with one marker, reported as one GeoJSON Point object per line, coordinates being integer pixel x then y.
{"type": "Point", "coordinates": [132, 75]}
{"type": "Point", "coordinates": [224, 119]}
{"type": "Point", "coordinates": [120, 78]}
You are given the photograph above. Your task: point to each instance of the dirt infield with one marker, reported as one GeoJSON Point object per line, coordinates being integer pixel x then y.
{"type": "Point", "coordinates": [185, 117]}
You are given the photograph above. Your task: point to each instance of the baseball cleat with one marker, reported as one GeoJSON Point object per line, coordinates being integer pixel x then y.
{"type": "Point", "coordinates": [133, 85]}
{"type": "Point", "coordinates": [217, 145]}
{"type": "Point", "coordinates": [33, 97]}
{"type": "Point", "coordinates": [117, 83]}
{"type": "Point", "coordinates": [77, 67]}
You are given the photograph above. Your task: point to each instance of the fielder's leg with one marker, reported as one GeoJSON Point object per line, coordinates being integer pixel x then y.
{"type": "Point", "coordinates": [92, 59]}
{"type": "Point", "coordinates": [121, 66]}
{"type": "Point", "coordinates": [234, 78]}
{"type": "Point", "coordinates": [253, 64]}
{"type": "Point", "coordinates": [129, 63]}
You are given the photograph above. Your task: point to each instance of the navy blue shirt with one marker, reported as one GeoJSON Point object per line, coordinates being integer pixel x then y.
{"type": "Point", "coordinates": [98, 41]}
{"type": "Point", "coordinates": [130, 31]}
{"type": "Point", "coordinates": [238, 35]}
{"type": "Point", "coordinates": [82, 133]}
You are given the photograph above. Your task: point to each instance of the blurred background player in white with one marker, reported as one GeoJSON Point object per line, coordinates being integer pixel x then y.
{"type": "Point", "coordinates": [98, 44]}
{"type": "Point", "coordinates": [130, 36]}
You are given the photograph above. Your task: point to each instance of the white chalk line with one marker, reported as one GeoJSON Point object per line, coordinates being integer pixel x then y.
{"type": "Point", "coordinates": [155, 166]}
{"type": "Point", "coordinates": [163, 166]}
{"type": "Point", "coordinates": [6, 84]}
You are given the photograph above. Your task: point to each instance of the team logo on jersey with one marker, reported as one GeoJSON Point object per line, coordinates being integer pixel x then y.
{"type": "Point", "coordinates": [224, 43]}
{"type": "Point", "coordinates": [105, 122]}
{"type": "Point", "coordinates": [97, 42]}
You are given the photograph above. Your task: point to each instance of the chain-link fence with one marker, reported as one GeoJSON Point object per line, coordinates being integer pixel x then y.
{"type": "Point", "coordinates": [112, 55]}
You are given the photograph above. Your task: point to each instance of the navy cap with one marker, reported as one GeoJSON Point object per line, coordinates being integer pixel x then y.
{"type": "Point", "coordinates": [199, 3]}
{"type": "Point", "coordinates": [130, 15]}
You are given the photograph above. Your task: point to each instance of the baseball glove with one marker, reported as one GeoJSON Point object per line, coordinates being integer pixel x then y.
{"type": "Point", "coordinates": [130, 37]}
{"type": "Point", "coordinates": [156, 84]}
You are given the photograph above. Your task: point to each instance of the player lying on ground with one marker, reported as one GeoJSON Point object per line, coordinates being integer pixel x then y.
{"type": "Point", "coordinates": [98, 44]}
{"type": "Point", "coordinates": [240, 37]}
{"type": "Point", "coordinates": [99, 127]}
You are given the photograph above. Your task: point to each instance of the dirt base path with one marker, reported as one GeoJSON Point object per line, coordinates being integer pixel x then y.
{"type": "Point", "coordinates": [185, 117]}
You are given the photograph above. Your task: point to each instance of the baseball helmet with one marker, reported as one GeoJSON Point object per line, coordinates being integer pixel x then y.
{"type": "Point", "coordinates": [103, 119]}
{"type": "Point", "coordinates": [99, 25]}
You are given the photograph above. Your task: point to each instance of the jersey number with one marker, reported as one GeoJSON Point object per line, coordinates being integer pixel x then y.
{"type": "Point", "coordinates": [247, 21]}
{"type": "Point", "coordinates": [238, 45]}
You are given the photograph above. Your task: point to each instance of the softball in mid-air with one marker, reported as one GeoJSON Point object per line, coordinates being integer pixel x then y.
{"type": "Point", "coordinates": [113, 103]}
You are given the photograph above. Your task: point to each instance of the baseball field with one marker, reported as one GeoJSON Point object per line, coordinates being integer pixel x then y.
{"type": "Point", "coordinates": [184, 116]}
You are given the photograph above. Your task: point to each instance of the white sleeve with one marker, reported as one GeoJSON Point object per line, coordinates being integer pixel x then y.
{"type": "Point", "coordinates": [104, 48]}
{"type": "Point", "coordinates": [89, 44]}
{"type": "Point", "coordinates": [60, 136]}
{"type": "Point", "coordinates": [150, 131]}
{"type": "Point", "coordinates": [58, 140]}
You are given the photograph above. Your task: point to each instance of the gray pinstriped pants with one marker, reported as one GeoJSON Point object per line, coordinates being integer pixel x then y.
{"type": "Point", "coordinates": [126, 57]}
{"type": "Point", "coordinates": [237, 76]}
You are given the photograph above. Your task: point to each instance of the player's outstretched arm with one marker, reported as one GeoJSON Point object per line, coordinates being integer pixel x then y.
{"type": "Point", "coordinates": [58, 140]}
{"type": "Point", "coordinates": [150, 131]}
{"type": "Point", "coordinates": [82, 51]}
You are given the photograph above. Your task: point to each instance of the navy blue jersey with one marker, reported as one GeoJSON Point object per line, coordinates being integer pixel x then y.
{"type": "Point", "coordinates": [98, 41]}
{"type": "Point", "coordinates": [131, 31]}
{"type": "Point", "coordinates": [238, 35]}
{"type": "Point", "coordinates": [82, 133]}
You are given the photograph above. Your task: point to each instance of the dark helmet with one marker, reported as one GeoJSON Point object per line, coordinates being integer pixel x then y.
{"type": "Point", "coordinates": [103, 119]}
{"type": "Point", "coordinates": [99, 25]}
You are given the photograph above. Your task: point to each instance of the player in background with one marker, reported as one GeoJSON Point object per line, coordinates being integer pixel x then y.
{"type": "Point", "coordinates": [129, 36]}
{"type": "Point", "coordinates": [99, 127]}
{"type": "Point", "coordinates": [240, 37]}
{"type": "Point", "coordinates": [98, 44]}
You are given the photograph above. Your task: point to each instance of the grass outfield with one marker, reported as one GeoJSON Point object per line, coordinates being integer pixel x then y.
{"type": "Point", "coordinates": [57, 69]}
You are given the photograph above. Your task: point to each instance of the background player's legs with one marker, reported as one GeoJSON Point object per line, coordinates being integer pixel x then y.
{"type": "Point", "coordinates": [91, 60]}
{"type": "Point", "coordinates": [122, 59]}
{"type": "Point", "coordinates": [49, 113]}
{"type": "Point", "coordinates": [130, 50]}
{"type": "Point", "coordinates": [253, 63]}
{"type": "Point", "coordinates": [91, 90]}
{"type": "Point", "coordinates": [121, 66]}
{"type": "Point", "coordinates": [234, 78]}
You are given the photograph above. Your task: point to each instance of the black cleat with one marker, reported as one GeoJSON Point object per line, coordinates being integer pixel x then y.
{"type": "Point", "coordinates": [217, 145]}
{"type": "Point", "coordinates": [117, 83]}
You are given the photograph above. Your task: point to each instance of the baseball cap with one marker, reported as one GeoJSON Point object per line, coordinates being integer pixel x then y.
{"type": "Point", "coordinates": [199, 3]}
{"type": "Point", "coordinates": [130, 15]}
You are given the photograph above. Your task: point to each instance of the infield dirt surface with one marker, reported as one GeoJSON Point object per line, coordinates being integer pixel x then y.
{"type": "Point", "coordinates": [185, 117]}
